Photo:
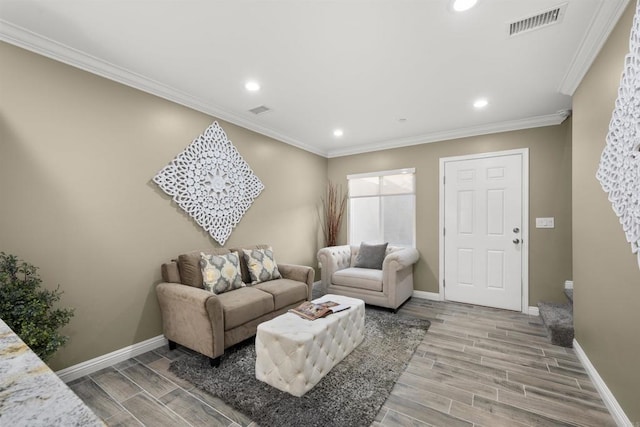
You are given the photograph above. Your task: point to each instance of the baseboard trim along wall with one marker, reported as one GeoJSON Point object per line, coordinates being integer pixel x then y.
{"type": "Point", "coordinates": [533, 311]}
{"type": "Point", "coordinates": [433, 296]}
{"type": "Point", "coordinates": [90, 366]}
{"type": "Point", "coordinates": [609, 399]}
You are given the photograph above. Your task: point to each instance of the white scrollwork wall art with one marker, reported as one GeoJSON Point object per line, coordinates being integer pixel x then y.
{"type": "Point", "coordinates": [211, 182]}
{"type": "Point", "coordinates": [619, 171]}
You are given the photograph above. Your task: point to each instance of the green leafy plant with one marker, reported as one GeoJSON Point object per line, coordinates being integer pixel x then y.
{"type": "Point", "coordinates": [28, 309]}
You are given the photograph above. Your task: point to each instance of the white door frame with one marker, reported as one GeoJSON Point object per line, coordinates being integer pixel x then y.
{"type": "Point", "coordinates": [525, 216]}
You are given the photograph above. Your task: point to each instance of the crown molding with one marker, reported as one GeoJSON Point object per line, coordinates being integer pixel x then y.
{"type": "Point", "coordinates": [44, 46]}
{"type": "Point", "coordinates": [603, 22]}
{"type": "Point", "coordinates": [506, 126]}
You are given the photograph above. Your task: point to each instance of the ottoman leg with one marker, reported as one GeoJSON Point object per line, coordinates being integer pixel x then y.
{"type": "Point", "coordinates": [172, 345]}
{"type": "Point", "coordinates": [215, 362]}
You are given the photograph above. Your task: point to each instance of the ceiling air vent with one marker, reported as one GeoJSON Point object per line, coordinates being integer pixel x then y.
{"type": "Point", "coordinates": [259, 110]}
{"type": "Point", "coordinates": [543, 19]}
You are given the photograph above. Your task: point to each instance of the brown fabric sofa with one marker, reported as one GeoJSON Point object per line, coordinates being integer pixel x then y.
{"type": "Point", "coordinates": [208, 323]}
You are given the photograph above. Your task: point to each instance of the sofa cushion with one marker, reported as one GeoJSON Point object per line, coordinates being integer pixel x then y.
{"type": "Point", "coordinates": [221, 273]}
{"type": "Point", "coordinates": [371, 256]}
{"type": "Point", "coordinates": [284, 291]}
{"type": "Point", "coordinates": [244, 304]}
{"type": "Point", "coordinates": [361, 278]}
{"type": "Point", "coordinates": [261, 264]}
{"type": "Point", "coordinates": [189, 266]}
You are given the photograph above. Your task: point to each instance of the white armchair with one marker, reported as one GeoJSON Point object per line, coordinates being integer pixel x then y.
{"type": "Point", "coordinates": [389, 287]}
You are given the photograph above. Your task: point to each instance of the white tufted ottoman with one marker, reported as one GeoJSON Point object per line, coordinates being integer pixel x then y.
{"type": "Point", "coordinates": [293, 354]}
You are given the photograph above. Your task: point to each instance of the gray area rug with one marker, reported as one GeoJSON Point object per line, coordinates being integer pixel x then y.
{"type": "Point", "coordinates": [350, 395]}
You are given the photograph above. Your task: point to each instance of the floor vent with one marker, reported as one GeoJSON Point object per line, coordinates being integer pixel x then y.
{"type": "Point", "coordinates": [540, 20]}
{"type": "Point", "coordinates": [259, 110]}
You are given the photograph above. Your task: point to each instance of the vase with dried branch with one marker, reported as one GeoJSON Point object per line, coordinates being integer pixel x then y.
{"type": "Point", "coordinates": [334, 202]}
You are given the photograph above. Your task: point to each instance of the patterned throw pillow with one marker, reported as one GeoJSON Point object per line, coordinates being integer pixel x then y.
{"type": "Point", "coordinates": [221, 273]}
{"type": "Point", "coordinates": [262, 265]}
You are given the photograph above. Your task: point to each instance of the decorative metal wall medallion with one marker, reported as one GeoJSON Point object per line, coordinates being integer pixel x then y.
{"type": "Point", "coordinates": [619, 171]}
{"type": "Point", "coordinates": [211, 182]}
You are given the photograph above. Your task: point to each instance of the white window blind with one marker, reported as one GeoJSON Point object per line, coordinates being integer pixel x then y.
{"type": "Point", "coordinates": [382, 207]}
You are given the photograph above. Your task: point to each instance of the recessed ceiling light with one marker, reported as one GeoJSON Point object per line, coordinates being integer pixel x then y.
{"type": "Point", "coordinates": [252, 86]}
{"type": "Point", "coordinates": [480, 103]}
{"type": "Point", "coordinates": [462, 5]}
{"type": "Point", "coordinates": [338, 133]}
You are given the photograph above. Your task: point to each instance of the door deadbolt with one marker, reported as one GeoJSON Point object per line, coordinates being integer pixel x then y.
{"type": "Point", "coordinates": [516, 230]}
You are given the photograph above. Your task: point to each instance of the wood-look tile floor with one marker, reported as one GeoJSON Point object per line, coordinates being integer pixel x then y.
{"type": "Point", "coordinates": [477, 366]}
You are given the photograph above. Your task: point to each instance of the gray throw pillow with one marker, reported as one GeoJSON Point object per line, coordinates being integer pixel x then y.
{"type": "Point", "coordinates": [371, 256]}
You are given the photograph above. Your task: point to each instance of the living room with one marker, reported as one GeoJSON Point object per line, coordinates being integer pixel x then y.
{"type": "Point", "coordinates": [78, 153]}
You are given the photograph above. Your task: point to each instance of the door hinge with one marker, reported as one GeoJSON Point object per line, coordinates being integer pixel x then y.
{"type": "Point", "coordinates": [444, 180]}
{"type": "Point", "coordinates": [444, 231]}
{"type": "Point", "coordinates": [444, 283]}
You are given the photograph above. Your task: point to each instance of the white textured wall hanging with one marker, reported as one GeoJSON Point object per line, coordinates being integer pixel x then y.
{"type": "Point", "coordinates": [211, 182]}
{"type": "Point", "coordinates": [619, 171]}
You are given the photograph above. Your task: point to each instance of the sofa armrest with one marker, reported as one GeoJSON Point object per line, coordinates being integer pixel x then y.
{"type": "Point", "coordinates": [192, 317]}
{"type": "Point", "coordinates": [402, 258]}
{"type": "Point", "coordinates": [300, 273]}
{"type": "Point", "coordinates": [332, 259]}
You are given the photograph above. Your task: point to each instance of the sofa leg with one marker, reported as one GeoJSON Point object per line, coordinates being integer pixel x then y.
{"type": "Point", "coordinates": [215, 362]}
{"type": "Point", "coordinates": [172, 345]}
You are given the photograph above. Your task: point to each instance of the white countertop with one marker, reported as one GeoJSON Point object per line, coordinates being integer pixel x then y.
{"type": "Point", "coordinates": [31, 394]}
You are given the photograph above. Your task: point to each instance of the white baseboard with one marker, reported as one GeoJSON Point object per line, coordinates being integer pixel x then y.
{"type": "Point", "coordinates": [90, 366]}
{"type": "Point", "coordinates": [533, 311]}
{"type": "Point", "coordinates": [433, 296]}
{"type": "Point", "coordinates": [609, 399]}
{"type": "Point", "coordinates": [568, 284]}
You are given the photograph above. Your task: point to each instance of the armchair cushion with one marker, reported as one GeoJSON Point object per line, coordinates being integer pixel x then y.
{"type": "Point", "coordinates": [371, 256]}
{"type": "Point", "coordinates": [361, 278]}
{"type": "Point", "coordinates": [221, 273]}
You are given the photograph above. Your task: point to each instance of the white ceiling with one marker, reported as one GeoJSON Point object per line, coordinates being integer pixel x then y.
{"type": "Point", "coordinates": [358, 65]}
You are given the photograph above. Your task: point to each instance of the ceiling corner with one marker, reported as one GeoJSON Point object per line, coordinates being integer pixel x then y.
{"type": "Point", "coordinates": [23, 38]}
{"type": "Point", "coordinates": [603, 22]}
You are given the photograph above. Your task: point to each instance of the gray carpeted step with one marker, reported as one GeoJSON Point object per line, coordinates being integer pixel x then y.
{"type": "Point", "coordinates": [558, 318]}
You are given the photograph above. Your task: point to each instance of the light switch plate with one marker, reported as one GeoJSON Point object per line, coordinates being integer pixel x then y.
{"type": "Point", "coordinates": [545, 223]}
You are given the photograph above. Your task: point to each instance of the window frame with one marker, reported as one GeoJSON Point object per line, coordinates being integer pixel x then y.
{"type": "Point", "coordinates": [380, 195]}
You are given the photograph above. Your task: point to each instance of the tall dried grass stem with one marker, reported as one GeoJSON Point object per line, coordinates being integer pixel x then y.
{"type": "Point", "coordinates": [334, 203]}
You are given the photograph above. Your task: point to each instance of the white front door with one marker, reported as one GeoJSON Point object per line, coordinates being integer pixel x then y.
{"type": "Point", "coordinates": [483, 221]}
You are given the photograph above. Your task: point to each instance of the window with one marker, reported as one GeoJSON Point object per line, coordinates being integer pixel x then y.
{"type": "Point", "coordinates": [382, 207]}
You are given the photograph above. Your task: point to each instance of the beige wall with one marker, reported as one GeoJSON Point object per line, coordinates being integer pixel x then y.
{"type": "Point", "coordinates": [550, 195]}
{"type": "Point", "coordinates": [606, 274]}
{"type": "Point", "coordinates": [77, 154]}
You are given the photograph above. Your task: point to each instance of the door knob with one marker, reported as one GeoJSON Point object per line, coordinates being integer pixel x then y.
{"type": "Point", "coordinates": [516, 241]}
{"type": "Point", "coordinates": [516, 230]}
